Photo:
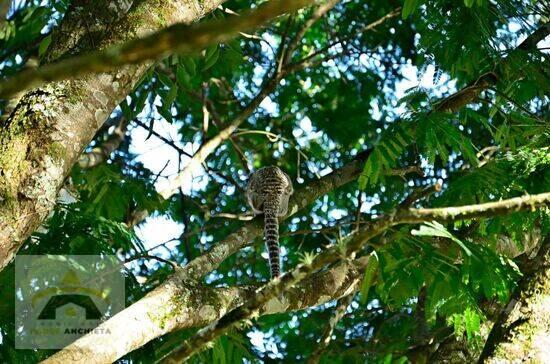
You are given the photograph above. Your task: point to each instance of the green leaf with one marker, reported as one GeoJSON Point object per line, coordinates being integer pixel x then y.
{"type": "Point", "coordinates": [436, 229]}
{"type": "Point", "coordinates": [409, 7]}
{"type": "Point", "coordinates": [371, 271]}
{"type": "Point", "coordinates": [44, 44]}
{"type": "Point", "coordinates": [385, 154]}
{"type": "Point", "coordinates": [472, 323]}
{"type": "Point", "coordinates": [211, 59]}
{"type": "Point", "coordinates": [189, 64]}
{"type": "Point", "coordinates": [183, 78]}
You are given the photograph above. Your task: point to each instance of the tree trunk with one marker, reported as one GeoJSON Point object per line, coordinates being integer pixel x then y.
{"type": "Point", "coordinates": [51, 125]}
{"type": "Point", "coordinates": [522, 331]}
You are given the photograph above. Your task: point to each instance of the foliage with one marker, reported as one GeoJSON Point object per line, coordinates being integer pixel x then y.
{"type": "Point", "coordinates": [356, 97]}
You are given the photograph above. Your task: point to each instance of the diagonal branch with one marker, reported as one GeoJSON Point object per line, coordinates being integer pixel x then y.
{"type": "Point", "coordinates": [471, 92]}
{"type": "Point", "coordinates": [243, 236]}
{"type": "Point", "coordinates": [101, 153]}
{"type": "Point", "coordinates": [269, 85]}
{"type": "Point", "coordinates": [211, 145]}
{"type": "Point", "coordinates": [159, 313]}
{"type": "Point", "coordinates": [161, 137]}
{"type": "Point", "coordinates": [318, 13]}
{"type": "Point", "coordinates": [324, 341]}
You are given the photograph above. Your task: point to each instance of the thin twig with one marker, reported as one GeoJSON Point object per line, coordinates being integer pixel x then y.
{"type": "Point", "coordinates": [164, 139]}
{"type": "Point", "coordinates": [324, 341]}
{"type": "Point", "coordinates": [173, 264]}
{"type": "Point", "coordinates": [419, 194]}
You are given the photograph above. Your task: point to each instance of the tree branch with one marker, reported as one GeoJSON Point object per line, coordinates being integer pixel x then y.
{"type": "Point", "coordinates": [521, 330]}
{"type": "Point", "coordinates": [164, 139]}
{"type": "Point", "coordinates": [211, 145]}
{"type": "Point", "coordinates": [281, 69]}
{"type": "Point", "coordinates": [318, 13]}
{"type": "Point", "coordinates": [177, 307]}
{"type": "Point", "coordinates": [179, 38]}
{"type": "Point", "coordinates": [46, 133]}
{"type": "Point", "coordinates": [101, 153]}
{"type": "Point", "coordinates": [243, 236]}
{"type": "Point", "coordinates": [471, 92]}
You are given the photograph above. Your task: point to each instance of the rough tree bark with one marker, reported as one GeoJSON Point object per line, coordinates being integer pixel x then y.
{"type": "Point", "coordinates": [175, 306]}
{"type": "Point", "coordinates": [51, 125]}
{"type": "Point", "coordinates": [522, 330]}
{"type": "Point", "coordinates": [516, 331]}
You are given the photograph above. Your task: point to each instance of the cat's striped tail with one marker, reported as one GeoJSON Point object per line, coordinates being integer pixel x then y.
{"type": "Point", "coordinates": [271, 237]}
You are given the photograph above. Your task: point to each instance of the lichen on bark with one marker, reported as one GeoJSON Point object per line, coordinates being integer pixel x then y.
{"type": "Point", "coordinates": [524, 328]}
{"type": "Point", "coordinates": [50, 127]}
{"type": "Point", "coordinates": [31, 163]}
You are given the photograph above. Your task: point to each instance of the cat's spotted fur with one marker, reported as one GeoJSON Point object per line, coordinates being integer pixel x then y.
{"type": "Point", "coordinates": [268, 191]}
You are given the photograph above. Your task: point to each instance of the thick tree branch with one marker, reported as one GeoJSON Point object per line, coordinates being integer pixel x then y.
{"type": "Point", "coordinates": [178, 307]}
{"type": "Point", "coordinates": [179, 38]}
{"type": "Point", "coordinates": [522, 328]}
